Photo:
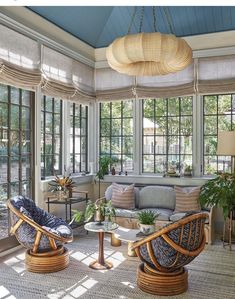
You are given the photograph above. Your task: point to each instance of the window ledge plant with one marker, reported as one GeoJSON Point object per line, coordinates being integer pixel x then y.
{"type": "Point", "coordinates": [219, 192]}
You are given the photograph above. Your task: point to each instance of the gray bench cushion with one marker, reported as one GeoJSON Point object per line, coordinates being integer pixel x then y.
{"type": "Point", "coordinates": [157, 197]}
{"type": "Point", "coordinates": [164, 214]}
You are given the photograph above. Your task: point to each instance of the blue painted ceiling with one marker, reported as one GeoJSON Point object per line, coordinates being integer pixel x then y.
{"type": "Point", "coordinates": [98, 26]}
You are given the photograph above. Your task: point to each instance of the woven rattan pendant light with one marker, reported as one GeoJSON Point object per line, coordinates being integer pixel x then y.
{"type": "Point", "coordinates": [148, 54]}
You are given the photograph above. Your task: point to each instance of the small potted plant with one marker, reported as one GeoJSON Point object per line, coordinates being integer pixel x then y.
{"type": "Point", "coordinates": [147, 221]}
{"type": "Point", "coordinates": [98, 209]}
{"type": "Point", "coordinates": [63, 186]}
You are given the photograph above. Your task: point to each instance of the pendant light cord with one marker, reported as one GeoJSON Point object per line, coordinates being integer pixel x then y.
{"type": "Point", "coordinates": [132, 20]}
{"type": "Point", "coordinates": [168, 18]}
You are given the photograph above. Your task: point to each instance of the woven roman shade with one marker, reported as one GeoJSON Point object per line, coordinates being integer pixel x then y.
{"type": "Point", "coordinates": [19, 76]}
{"type": "Point", "coordinates": [216, 74]}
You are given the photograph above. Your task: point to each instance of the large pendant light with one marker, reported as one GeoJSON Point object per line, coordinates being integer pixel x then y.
{"type": "Point", "coordinates": [148, 54]}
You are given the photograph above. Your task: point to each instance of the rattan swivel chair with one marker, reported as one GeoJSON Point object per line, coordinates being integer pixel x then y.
{"type": "Point", "coordinates": [43, 235]}
{"type": "Point", "coordinates": [165, 253]}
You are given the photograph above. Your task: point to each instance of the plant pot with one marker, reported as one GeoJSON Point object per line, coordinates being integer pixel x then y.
{"type": "Point", "coordinates": [98, 217]}
{"type": "Point", "coordinates": [62, 195]}
{"type": "Point", "coordinates": [146, 229]}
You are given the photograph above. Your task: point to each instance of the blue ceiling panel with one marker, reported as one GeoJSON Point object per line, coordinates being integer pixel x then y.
{"type": "Point", "coordinates": [85, 23]}
{"type": "Point", "coordinates": [98, 26]}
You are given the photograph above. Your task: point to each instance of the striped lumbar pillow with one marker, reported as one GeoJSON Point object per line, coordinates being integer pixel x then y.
{"type": "Point", "coordinates": [187, 199]}
{"type": "Point", "coordinates": [123, 197]}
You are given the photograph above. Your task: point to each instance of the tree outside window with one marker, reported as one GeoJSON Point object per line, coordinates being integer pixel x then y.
{"type": "Point", "coordinates": [167, 133]}
{"type": "Point", "coordinates": [116, 133]}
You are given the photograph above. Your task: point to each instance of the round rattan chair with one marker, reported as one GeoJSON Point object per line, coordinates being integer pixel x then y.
{"type": "Point", "coordinates": [165, 253]}
{"type": "Point", "coordinates": [43, 235]}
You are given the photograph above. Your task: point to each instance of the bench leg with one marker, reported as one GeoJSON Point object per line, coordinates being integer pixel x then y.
{"type": "Point", "coordinates": [130, 251]}
{"type": "Point", "coordinates": [114, 241]}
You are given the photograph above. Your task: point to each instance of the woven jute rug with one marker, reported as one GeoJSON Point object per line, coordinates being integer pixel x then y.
{"type": "Point", "coordinates": [211, 275]}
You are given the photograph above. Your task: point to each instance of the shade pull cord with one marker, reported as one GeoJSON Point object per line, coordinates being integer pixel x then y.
{"type": "Point", "coordinates": [132, 20]}
{"type": "Point", "coordinates": [169, 20]}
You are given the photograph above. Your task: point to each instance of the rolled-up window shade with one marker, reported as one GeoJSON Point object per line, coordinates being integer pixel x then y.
{"type": "Point", "coordinates": [216, 74]}
{"type": "Point", "coordinates": [176, 84]}
{"type": "Point", "coordinates": [66, 78]}
{"type": "Point", "coordinates": [163, 92]}
{"type": "Point", "coordinates": [83, 77]}
{"type": "Point", "coordinates": [111, 85]}
{"type": "Point", "coordinates": [19, 49]}
{"type": "Point", "coordinates": [56, 66]}
{"type": "Point", "coordinates": [18, 76]}
{"type": "Point", "coordinates": [19, 59]}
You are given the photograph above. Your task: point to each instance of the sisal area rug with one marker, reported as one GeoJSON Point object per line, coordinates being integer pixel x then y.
{"type": "Point", "coordinates": [211, 275]}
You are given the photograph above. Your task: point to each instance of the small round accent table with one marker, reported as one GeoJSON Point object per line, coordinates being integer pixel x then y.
{"type": "Point", "coordinates": [105, 227]}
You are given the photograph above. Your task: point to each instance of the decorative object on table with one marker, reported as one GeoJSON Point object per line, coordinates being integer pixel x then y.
{"type": "Point", "coordinates": [146, 222]}
{"type": "Point", "coordinates": [165, 253]}
{"type": "Point", "coordinates": [172, 171]}
{"type": "Point", "coordinates": [113, 171]}
{"type": "Point", "coordinates": [44, 243]}
{"type": "Point", "coordinates": [148, 54]}
{"type": "Point", "coordinates": [188, 171]}
{"type": "Point", "coordinates": [63, 186]}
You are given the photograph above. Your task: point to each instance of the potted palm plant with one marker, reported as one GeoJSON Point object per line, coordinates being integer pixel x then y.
{"type": "Point", "coordinates": [220, 192]}
{"type": "Point", "coordinates": [147, 221]}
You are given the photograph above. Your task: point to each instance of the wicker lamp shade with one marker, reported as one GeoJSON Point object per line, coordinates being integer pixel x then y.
{"type": "Point", "coordinates": [148, 54]}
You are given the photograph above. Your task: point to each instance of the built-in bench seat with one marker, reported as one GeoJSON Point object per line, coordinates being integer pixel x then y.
{"type": "Point", "coordinates": [160, 199]}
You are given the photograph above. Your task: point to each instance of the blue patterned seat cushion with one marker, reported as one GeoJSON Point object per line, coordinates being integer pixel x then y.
{"type": "Point", "coordinates": [166, 255]}
{"type": "Point", "coordinates": [26, 233]}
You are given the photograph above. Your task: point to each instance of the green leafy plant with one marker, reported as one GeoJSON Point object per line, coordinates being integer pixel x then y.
{"type": "Point", "coordinates": [147, 217]}
{"type": "Point", "coordinates": [99, 206]}
{"type": "Point", "coordinates": [105, 163]}
{"type": "Point", "coordinates": [220, 192]}
{"type": "Point", "coordinates": [61, 184]}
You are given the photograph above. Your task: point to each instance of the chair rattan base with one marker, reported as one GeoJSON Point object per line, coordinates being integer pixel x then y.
{"type": "Point", "coordinates": [162, 284]}
{"type": "Point", "coordinates": [47, 263]}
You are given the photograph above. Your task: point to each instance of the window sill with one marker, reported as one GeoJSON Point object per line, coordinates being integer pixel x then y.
{"type": "Point", "coordinates": [155, 179]}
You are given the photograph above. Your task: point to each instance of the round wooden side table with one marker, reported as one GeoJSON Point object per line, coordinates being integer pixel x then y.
{"type": "Point", "coordinates": [104, 227]}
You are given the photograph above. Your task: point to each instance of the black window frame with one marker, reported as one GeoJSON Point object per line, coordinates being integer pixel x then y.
{"type": "Point", "coordinates": [122, 136]}
{"type": "Point", "coordinates": [20, 130]}
{"type": "Point", "coordinates": [82, 152]}
{"type": "Point", "coordinates": [167, 135]}
{"type": "Point", "coordinates": [53, 172]}
{"type": "Point", "coordinates": [217, 115]}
